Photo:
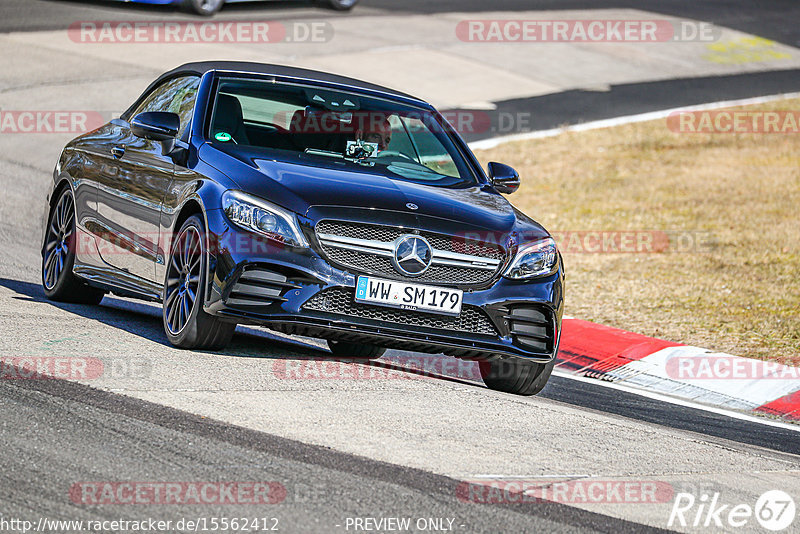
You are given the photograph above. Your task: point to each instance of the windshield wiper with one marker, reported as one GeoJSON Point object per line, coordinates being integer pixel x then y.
{"type": "Point", "coordinates": [337, 155]}
{"type": "Point", "coordinates": [320, 152]}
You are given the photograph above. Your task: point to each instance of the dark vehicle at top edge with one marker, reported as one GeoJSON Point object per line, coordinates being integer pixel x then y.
{"type": "Point", "coordinates": [312, 204]}
{"type": "Point", "coordinates": [210, 7]}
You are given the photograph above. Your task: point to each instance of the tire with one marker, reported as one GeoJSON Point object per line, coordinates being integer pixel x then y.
{"type": "Point", "coordinates": [205, 8]}
{"type": "Point", "coordinates": [356, 351]}
{"type": "Point", "coordinates": [58, 256]}
{"type": "Point", "coordinates": [342, 5]}
{"type": "Point", "coordinates": [516, 376]}
{"type": "Point", "coordinates": [186, 324]}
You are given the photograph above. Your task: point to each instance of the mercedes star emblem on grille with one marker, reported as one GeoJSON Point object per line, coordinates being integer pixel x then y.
{"type": "Point", "coordinates": [412, 255]}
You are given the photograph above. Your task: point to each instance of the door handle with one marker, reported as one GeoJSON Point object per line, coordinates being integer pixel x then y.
{"type": "Point", "coordinates": [118, 151]}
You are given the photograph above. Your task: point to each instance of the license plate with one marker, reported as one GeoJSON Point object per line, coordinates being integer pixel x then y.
{"type": "Point", "coordinates": [406, 296]}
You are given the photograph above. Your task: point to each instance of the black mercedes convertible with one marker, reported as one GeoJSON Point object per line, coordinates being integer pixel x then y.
{"type": "Point", "coordinates": [312, 204]}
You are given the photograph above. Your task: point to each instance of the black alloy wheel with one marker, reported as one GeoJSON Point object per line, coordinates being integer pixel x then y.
{"type": "Point", "coordinates": [186, 324]}
{"type": "Point", "coordinates": [58, 257]}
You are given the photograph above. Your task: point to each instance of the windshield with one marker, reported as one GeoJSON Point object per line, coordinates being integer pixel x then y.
{"type": "Point", "coordinates": [307, 122]}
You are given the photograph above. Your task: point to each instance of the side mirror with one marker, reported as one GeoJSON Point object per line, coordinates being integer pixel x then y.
{"type": "Point", "coordinates": [504, 178]}
{"type": "Point", "coordinates": [156, 125]}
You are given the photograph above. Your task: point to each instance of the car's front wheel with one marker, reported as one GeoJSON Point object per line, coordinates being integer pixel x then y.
{"type": "Point", "coordinates": [516, 376]}
{"type": "Point", "coordinates": [204, 7]}
{"type": "Point", "coordinates": [187, 325]}
{"type": "Point", "coordinates": [58, 259]}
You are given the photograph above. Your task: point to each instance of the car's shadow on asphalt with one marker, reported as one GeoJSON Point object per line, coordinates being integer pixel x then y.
{"type": "Point", "coordinates": [144, 320]}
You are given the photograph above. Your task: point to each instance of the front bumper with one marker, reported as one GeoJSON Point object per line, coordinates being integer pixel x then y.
{"type": "Point", "coordinates": [299, 292]}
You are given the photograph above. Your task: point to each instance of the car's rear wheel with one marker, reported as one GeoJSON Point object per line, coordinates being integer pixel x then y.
{"type": "Point", "coordinates": [187, 325]}
{"type": "Point", "coordinates": [204, 7]}
{"type": "Point", "coordinates": [58, 280]}
{"type": "Point", "coordinates": [342, 5]}
{"type": "Point", "coordinates": [516, 376]}
{"type": "Point", "coordinates": [358, 351]}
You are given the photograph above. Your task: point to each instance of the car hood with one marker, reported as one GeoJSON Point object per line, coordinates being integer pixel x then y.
{"type": "Point", "coordinates": [321, 188]}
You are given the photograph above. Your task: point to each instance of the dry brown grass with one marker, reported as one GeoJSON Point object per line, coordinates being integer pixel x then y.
{"type": "Point", "coordinates": [740, 296]}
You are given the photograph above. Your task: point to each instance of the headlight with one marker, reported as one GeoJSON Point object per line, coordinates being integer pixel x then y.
{"type": "Point", "coordinates": [535, 259]}
{"type": "Point", "coordinates": [262, 217]}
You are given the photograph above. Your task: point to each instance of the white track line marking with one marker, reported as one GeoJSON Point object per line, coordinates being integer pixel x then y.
{"type": "Point", "coordinates": [629, 119]}
{"type": "Point", "coordinates": [677, 401]}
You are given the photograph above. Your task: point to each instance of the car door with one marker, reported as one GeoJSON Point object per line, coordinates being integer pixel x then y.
{"type": "Point", "coordinates": [136, 177]}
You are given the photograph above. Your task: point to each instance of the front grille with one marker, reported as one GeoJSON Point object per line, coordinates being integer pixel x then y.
{"type": "Point", "coordinates": [366, 262]}
{"type": "Point", "coordinates": [369, 231]}
{"type": "Point", "coordinates": [370, 264]}
{"type": "Point", "coordinates": [341, 301]}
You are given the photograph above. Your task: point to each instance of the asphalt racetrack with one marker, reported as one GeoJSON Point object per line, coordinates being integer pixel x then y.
{"type": "Point", "coordinates": [394, 442]}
